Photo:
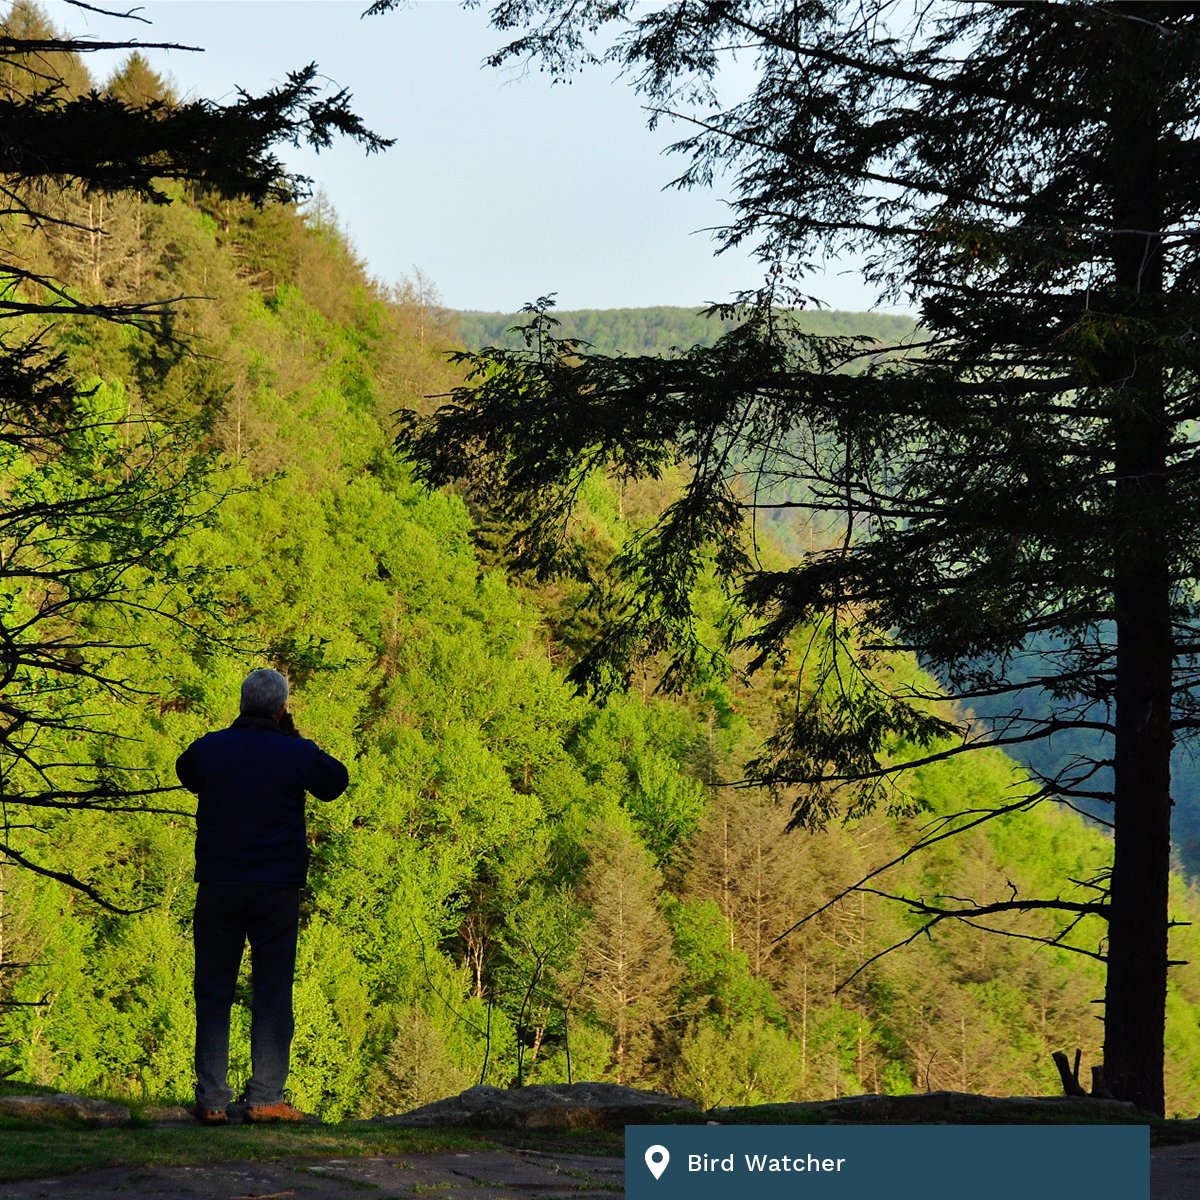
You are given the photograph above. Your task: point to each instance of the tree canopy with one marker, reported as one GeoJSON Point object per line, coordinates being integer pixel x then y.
{"type": "Point", "coordinates": [1017, 489]}
{"type": "Point", "coordinates": [97, 493]}
{"type": "Point", "coordinates": [520, 885]}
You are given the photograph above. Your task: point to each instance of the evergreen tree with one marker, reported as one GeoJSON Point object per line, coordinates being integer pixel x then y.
{"type": "Point", "coordinates": [624, 958]}
{"type": "Point", "coordinates": [1018, 492]}
{"type": "Point", "coordinates": [138, 83]}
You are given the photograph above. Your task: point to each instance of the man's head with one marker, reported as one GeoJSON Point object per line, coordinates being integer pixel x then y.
{"type": "Point", "coordinates": [264, 693]}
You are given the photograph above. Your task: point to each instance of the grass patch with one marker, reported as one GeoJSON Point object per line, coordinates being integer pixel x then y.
{"type": "Point", "coordinates": [1162, 1132]}
{"type": "Point", "coordinates": [37, 1153]}
{"type": "Point", "coordinates": [962, 1114]}
{"type": "Point", "coordinates": [605, 1143]}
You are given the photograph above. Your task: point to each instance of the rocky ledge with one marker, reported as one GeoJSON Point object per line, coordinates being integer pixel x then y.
{"type": "Point", "coordinates": [547, 1106]}
{"type": "Point", "coordinates": [925, 1108]}
{"type": "Point", "coordinates": [59, 1108]}
{"type": "Point", "coordinates": [610, 1106]}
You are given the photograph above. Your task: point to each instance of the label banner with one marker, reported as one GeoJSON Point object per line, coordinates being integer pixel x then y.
{"type": "Point", "coordinates": [887, 1162]}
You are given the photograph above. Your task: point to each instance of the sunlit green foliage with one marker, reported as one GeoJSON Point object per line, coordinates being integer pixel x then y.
{"type": "Point", "coordinates": [519, 884]}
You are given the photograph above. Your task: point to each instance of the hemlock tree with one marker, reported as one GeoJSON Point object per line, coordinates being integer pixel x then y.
{"type": "Point", "coordinates": [1018, 489]}
{"type": "Point", "coordinates": [97, 497]}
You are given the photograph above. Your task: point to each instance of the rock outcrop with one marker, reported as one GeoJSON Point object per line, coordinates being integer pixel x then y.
{"type": "Point", "coordinates": [546, 1106]}
{"type": "Point", "coordinates": [610, 1106]}
{"type": "Point", "coordinates": [64, 1108]}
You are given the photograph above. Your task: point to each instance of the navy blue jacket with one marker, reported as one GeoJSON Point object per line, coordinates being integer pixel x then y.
{"type": "Point", "coordinates": [251, 779]}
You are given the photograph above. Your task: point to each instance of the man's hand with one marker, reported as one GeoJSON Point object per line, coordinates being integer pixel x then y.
{"type": "Point", "coordinates": [287, 724]}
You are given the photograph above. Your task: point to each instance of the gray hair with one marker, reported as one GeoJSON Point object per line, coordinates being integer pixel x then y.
{"type": "Point", "coordinates": [264, 693]}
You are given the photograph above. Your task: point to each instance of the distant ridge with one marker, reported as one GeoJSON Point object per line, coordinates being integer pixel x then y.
{"type": "Point", "coordinates": [659, 330]}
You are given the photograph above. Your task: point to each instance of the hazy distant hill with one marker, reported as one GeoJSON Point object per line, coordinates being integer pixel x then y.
{"type": "Point", "coordinates": [659, 330]}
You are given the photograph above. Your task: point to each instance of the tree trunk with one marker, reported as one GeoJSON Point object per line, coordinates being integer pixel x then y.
{"type": "Point", "coordinates": [1135, 992]}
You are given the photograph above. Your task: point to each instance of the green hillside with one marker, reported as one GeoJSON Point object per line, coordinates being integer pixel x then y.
{"type": "Point", "coordinates": [660, 330]}
{"type": "Point", "coordinates": [663, 330]}
{"type": "Point", "coordinates": [520, 885]}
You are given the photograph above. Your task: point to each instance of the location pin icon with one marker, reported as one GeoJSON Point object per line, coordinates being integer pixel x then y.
{"type": "Point", "coordinates": [657, 1158]}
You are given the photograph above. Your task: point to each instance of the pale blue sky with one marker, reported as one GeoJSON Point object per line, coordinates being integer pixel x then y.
{"type": "Point", "coordinates": [499, 187]}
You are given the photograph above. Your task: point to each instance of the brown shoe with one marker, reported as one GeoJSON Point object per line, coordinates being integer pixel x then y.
{"type": "Point", "coordinates": [281, 1110]}
{"type": "Point", "coordinates": [210, 1116]}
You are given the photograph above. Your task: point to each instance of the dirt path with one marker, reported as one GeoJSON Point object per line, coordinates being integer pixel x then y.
{"type": "Point", "coordinates": [1175, 1172]}
{"type": "Point", "coordinates": [462, 1175]}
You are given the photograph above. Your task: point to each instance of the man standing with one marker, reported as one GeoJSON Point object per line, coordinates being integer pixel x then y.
{"type": "Point", "coordinates": [251, 862]}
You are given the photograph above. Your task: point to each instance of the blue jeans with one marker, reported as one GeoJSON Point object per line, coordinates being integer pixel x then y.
{"type": "Point", "coordinates": [227, 916]}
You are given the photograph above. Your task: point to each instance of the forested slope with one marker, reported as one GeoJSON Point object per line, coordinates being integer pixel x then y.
{"type": "Point", "coordinates": [661, 329]}
{"type": "Point", "coordinates": [519, 884]}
